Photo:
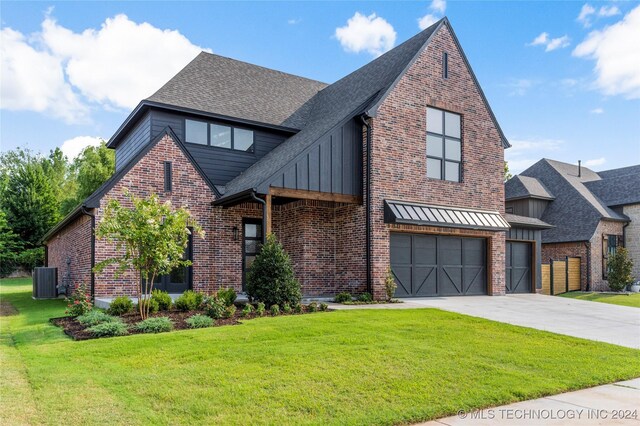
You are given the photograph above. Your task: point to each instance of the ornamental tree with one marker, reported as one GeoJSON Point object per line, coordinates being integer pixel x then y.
{"type": "Point", "coordinates": [620, 268]}
{"type": "Point", "coordinates": [151, 238]}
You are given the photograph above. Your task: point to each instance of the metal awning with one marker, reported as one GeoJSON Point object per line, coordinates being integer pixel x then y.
{"type": "Point", "coordinates": [450, 217]}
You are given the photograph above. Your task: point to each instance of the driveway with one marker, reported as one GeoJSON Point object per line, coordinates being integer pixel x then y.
{"type": "Point", "coordinates": [603, 322]}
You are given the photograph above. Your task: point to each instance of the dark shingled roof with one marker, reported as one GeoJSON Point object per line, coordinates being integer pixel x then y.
{"type": "Point", "coordinates": [526, 221]}
{"type": "Point", "coordinates": [526, 187]}
{"type": "Point", "coordinates": [617, 187]}
{"type": "Point", "coordinates": [576, 212]}
{"type": "Point", "coordinates": [224, 86]}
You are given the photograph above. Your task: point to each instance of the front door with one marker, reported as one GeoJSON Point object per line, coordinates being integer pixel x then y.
{"type": "Point", "coordinates": [252, 240]}
{"type": "Point", "coordinates": [179, 280]}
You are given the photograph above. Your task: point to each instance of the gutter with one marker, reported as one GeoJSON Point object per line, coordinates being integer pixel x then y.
{"type": "Point", "coordinates": [365, 123]}
{"type": "Point", "coordinates": [93, 247]}
{"type": "Point", "coordinates": [264, 215]}
{"type": "Point", "coordinates": [588, 246]}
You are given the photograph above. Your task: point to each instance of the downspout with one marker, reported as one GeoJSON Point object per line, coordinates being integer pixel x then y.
{"type": "Point", "coordinates": [368, 205]}
{"type": "Point", "coordinates": [588, 246]}
{"type": "Point", "coordinates": [93, 248]}
{"type": "Point", "coordinates": [264, 215]}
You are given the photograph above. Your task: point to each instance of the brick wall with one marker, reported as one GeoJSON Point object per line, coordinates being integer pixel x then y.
{"type": "Point", "coordinates": [399, 147]}
{"type": "Point", "coordinates": [632, 237]}
{"type": "Point", "coordinates": [560, 251]}
{"type": "Point", "coordinates": [73, 243]}
{"type": "Point", "coordinates": [598, 283]}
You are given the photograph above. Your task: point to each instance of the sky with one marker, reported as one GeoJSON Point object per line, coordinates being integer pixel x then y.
{"type": "Point", "coordinates": [563, 78]}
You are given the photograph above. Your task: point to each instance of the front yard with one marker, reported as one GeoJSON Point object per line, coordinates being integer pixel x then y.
{"type": "Point", "coordinates": [632, 300]}
{"type": "Point", "coordinates": [358, 366]}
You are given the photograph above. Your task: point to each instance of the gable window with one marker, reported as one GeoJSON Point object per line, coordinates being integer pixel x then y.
{"type": "Point", "coordinates": [609, 245]}
{"type": "Point", "coordinates": [444, 145]}
{"type": "Point", "coordinates": [219, 135]}
{"type": "Point", "coordinates": [445, 65]}
{"type": "Point", "coordinates": [168, 184]}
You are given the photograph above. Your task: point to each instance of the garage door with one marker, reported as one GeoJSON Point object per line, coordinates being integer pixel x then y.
{"type": "Point", "coordinates": [433, 265]}
{"type": "Point", "coordinates": [518, 267]}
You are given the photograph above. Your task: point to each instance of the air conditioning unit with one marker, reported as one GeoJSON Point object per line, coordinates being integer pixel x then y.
{"type": "Point", "coordinates": [45, 282]}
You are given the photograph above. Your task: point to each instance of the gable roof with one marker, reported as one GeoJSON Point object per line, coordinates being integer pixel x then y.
{"type": "Point", "coordinates": [576, 211]}
{"type": "Point", "coordinates": [216, 84]}
{"type": "Point", "coordinates": [526, 187]}
{"type": "Point", "coordinates": [617, 187]}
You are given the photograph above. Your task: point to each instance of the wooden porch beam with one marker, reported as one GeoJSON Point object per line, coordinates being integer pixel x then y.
{"type": "Point", "coordinates": [267, 206]}
{"type": "Point", "coordinates": [314, 195]}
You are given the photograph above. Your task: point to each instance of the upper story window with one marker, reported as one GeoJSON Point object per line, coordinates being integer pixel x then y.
{"type": "Point", "coordinates": [218, 135]}
{"type": "Point", "coordinates": [444, 145]}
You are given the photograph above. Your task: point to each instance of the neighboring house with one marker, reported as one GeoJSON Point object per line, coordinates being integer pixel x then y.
{"type": "Point", "coordinates": [591, 214]}
{"type": "Point", "coordinates": [398, 164]}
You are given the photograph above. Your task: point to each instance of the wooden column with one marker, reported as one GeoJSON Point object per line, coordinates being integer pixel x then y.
{"type": "Point", "coordinates": [267, 206]}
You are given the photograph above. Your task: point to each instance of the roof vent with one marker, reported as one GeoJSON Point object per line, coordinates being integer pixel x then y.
{"type": "Point", "coordinates": [579, 168]}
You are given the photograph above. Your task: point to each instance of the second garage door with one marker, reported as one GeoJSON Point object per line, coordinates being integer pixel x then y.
{"type": "Point", "coordinates": [518, 267]}
{"type": "Point", "coordinates": [433, 265]}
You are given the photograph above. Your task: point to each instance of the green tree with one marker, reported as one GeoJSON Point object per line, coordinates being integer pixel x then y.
{"type": "Point", "coordinates": [620, 268]}
{"type": "Point", "coordinates": [151, 237]}
{"type": "Point", "coordinates": [10, 246]}
{"type": "Point", "coordinates": [507, 173]}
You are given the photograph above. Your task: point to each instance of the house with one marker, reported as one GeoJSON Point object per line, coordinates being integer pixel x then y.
{"type": "Point", "coordinates": [399, 164]}
{"type": "Point", "coordinates": [591, 214]}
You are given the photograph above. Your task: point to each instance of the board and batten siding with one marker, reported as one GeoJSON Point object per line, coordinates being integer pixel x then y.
{"type": "Point", "coordinates": [332, 164]}
{"type": "Point", "coordinates": [530, 207]}
{"type": "Point", "coordinates": [525, 234]}
{"type": "Point", "coordinates": [134, 141]}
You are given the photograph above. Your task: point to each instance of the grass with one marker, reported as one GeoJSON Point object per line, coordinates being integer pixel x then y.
{"type": "Point", "coordinates": [354, 367]}
{"type": "Point", "coordinates": [628, 299]}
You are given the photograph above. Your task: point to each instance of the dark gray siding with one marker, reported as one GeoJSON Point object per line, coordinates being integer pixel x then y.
{"type": "Point", "coordinates": [137, 138]}
{"type": "Point", "coordinates": [530, 235]}
{"type": "Point", "coordinates": [529, 207]}
{"type": "Point", "coordinates": [333, 164]}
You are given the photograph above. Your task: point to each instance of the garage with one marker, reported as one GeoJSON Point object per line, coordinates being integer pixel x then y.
{"type": "Point", "coordinates": [518, 271]}
{"type": "Point", "coordinates": [438, 265]}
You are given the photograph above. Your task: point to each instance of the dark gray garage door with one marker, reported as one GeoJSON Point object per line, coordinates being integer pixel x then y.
{"type": "Point", "coordinates": [518, 267]}
{"type": "Point", "coordinates": [431, 265]}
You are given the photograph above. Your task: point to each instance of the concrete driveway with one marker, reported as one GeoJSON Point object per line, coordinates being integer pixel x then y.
{"type": "Point", "coordinates": [603, 322]}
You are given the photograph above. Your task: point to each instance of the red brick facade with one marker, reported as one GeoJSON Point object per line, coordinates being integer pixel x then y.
{"type": "Point", "coordinates": [560, 251]}
{"type": "Point", "coordinates": [70, 252]}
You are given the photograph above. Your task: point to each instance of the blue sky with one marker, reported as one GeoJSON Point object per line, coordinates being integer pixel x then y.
{"type": "Point", "coordinates": [563, 78]}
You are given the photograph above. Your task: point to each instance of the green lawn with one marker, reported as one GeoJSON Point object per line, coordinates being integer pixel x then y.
{"type": "Point", "coordinates": [355, 367]}
{"type": "Point", "coordinates": [615, 299]}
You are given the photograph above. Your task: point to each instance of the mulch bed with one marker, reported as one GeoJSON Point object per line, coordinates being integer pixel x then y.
{"type": "Point", "coordinates": [7, 309]}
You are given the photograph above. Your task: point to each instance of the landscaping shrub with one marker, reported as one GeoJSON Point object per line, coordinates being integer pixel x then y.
{"type": "Point", "coordinates": [155, 325]}
{"type": "Point", "coordinates": [343, 297]}
{"type": "Point", "coordinates": [324, 307]}
{"type": "Point", "coordinates": [286, 308]}
{"type": "Point", "coordinates": [214, 307]}
{"type": "Point", "coordinates": [390, 284]}
{"type": "Point", "coordinates": [199, 321]}
{"type": "Point", "coordinates": [80, 301]}
{"type": "Point", "coordinates": [120, 305]}
{"type": "Point", "coordinates": [247, 310]}
{"type": "Point", "coordinates": [154, 306]}
{"type": "Point", "coordinates": [163, 299]}
{"type": "Point", "coordinates": [189, 301]}
{"type": "Point", "coordinates": [230, 311]}
{"type": "Point", "coordinates": [312, 307]}
{"type": "Point", "coordinates": [228, 296]}
{"type": "Point", "coordinates": [260, 309]}
{"type": "Point", "coordinates": [297, 308]}
{"type": "Point", "coordinates": [108, 329]}
{"type": "Point", "coordinates": [95, 317]}
{"type": "Point", "coordinates": [620, 268]}
{"type": "Point", "coordinates": [270, 278]}
{"type": "Point", "coordinates": [365, 297]}
{"type": "Point", "coordinates": [275, 310]}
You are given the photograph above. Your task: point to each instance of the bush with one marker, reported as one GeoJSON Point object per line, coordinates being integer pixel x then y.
{"type": "Point", "coordinates": [109, 329]}
{"type": "Point", "coordinates": [390, 284]}
{"type": "Point", "coordinates": [163, 299]}
{"type": "Point", "coordinates": [297, 308]}
{"type": "Point", "coordinates": [286, 308]}
{"type": "Point", "coordinates": [270, 278]}
{"type": "Point", "coordinates": [230, 311]}
{"type": "Point", "coordinates": [80, 301]}
{"type": "Point", "coordinates": [620, 267]}
{"type": "Point", "coordinates": [31, 258]}
{"type": "Point", "coordinates": [155, 325]}
{"type": "Point", "coordinates": [365, 297]}
{"type": "Point", "coordinates": [95, 317]}
{"type": "Point", "coordinates": [189, 301]}
{"type": "Point", "coordinates": [312, 307]}
{"type": "Point", "coordinates": [260, 309]}
{"type": "Point", "coordinates": [247, 310]}
{"type": "Point", "coordinates": [324, 307]}
{"type": "Point", "coordinates": [228, 296]}
{"type": "Point", "coordinates": [214, 307]}
{"type": "Point", "coordinates": [199, 321]}
{"type": "Point", "coordinates": [120, 305]}
{"type": "Point", "coordinates": [343, 297]}
{"type": "Point", "coordinates": [275, 310]}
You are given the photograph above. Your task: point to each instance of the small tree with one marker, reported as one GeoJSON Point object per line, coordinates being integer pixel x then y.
{"type": "Point", "coordinates": [151, 236]}
{"type": "Point", "coordinates": [620, 267]}
{"type": "Point", "coordinates": [270, 278]}
{"type": "Point", "coordinates": [390, 284]}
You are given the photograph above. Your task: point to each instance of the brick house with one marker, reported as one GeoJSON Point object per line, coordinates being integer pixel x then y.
{"type": "Point", "coordinates": [399, 164]}
{"type": "Point", "coordinates": [590, 213]}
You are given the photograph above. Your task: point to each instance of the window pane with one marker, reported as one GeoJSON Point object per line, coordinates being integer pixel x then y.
{"type": "Point", "coordinates": [452, 124]}
{"type": "Point", "coordinates": [434, 120]}
{"type": "Point", "coordinates": [251, 246]}
{"type": "Point", "coordinates": [248, 260]}
{"type": "Point", "coordinates": [252, 230]}
{"type": "Point", "coordinates": [178, 275]}
{"type": "Point", "coordinates": [221, 136]}
{"type": "Point", "coordinates": [434, 146]}
{"type": "Point", "coordinates": [243, 140]}
{"type": "Point", "coordinates": [452, 171]}
{"type": "Point", "coordinates": [452, 149]}
{"type": "Point", "coordinates": [433, 168]}
{"type": "Point", "coordinates": [196, 132]}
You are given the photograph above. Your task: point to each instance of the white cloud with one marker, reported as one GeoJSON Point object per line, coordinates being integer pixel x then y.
{"type": "Point", "coordinates": [372, 34]}
{"type": "Point", "coordinates": [525, 152]}
{"type": "Point", "coordinates": [59, 71]}
{"type": "Point", "coordinates": [73, 147]}
{"type": "Point", "coordinates": [595, 162]}
{"type": "Point", "coordinates": [543, 38]}
{"type": "Point", "coordinates": [585, 14]}
{"type": "Point", "coordinates": [294, 21]}
{"type": "Point", "coordinates": [550, 43]}
{"type": "Point", "coordinates": [607, 11]}
{"type": "Point", "coordinates": [617, 57]}
{"type": "Point", "coordinates": [597, 111]}
{"type": "Point", "coordinates": [588, 12]}
{"type": "Point", "coordinates": [520, 86]}
{"type": "Point", "coordinates": [437, 8]}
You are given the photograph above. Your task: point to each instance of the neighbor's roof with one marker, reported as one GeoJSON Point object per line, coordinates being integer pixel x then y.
{"type": "Point", "coordinates": [526, 187]}
{"type": "Point", "coordinates": [224, 86]}
{"type": "Point", "coordinates": [617, 187]}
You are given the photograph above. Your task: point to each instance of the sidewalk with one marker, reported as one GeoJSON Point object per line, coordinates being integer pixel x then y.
{"type": "Point", "coordinates": [615, 404]}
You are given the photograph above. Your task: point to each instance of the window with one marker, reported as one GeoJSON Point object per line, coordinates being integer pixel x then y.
{"type": "Point", "coordinates": [444, 145]}
{"type": "Point", "coordinates": [445, 65]}
{"type": "Point", "coordinates": [609, 245]}
{"type": "Point", "coordinates": [252, 240]}
{"type": "Point", "coordinates": [168, 185]}
{"type": "Point", "coordinates": [219, 135]}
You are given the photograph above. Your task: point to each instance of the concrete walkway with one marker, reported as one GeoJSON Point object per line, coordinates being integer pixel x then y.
{"type": "Point", "coordinates": [616, 404]}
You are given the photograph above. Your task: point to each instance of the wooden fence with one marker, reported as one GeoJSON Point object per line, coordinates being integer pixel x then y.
{"type": "Point", "coordinates": [561, 276]}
